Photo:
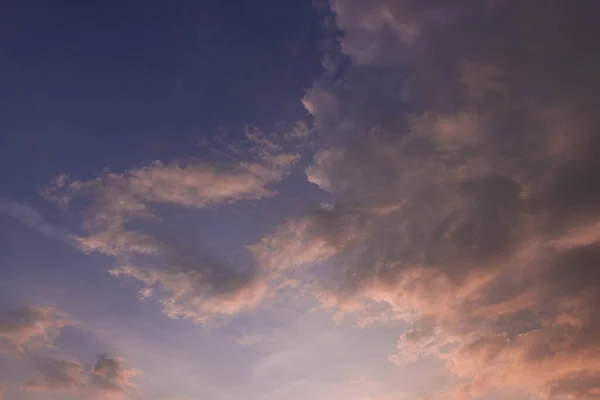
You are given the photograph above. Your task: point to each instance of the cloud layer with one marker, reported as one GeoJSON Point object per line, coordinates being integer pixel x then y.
{"type": "Point", "coordinates": [471, 211]}
{"type": "Point", "coordinates": [459, 150]}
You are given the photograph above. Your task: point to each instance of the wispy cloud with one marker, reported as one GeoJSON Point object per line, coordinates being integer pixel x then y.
{"type": "Point", "coordinates": [190, 281]}
{"type": "Point", "coordinates": [28, 333]}
{"type": "Point", "coordinates": [249, 339]}
{"type": "Point", "coordinates": [118, 198]}
{"type": "Point", "coordinates": [34, 220]}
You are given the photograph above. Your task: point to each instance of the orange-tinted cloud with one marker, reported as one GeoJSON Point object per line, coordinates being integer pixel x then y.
{"type": "Point", "coordinates": [491, 249]}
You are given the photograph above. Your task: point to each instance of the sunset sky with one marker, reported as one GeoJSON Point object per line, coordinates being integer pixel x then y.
{"type": "Point", "coordinates": [300, 200]}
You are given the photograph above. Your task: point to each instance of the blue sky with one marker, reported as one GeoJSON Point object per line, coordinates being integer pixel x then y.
{"type": "Point", "coordinates": [337, 199]}
{"type": "Point", "coordinates": [156, 78]}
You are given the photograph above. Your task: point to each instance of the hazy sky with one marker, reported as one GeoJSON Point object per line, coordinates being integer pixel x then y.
{"type": "Point", "coordinates": [296, 200]}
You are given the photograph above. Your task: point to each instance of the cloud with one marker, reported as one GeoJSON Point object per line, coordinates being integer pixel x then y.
{"type": "Point", "coordinates": [108, 378]}
{"type": "Point", "coordinates": [304, 242]}
{"type": "Point", "coordinates": [249, 339]}
{"type": "Point", "coordinates": [199, 292]}
{"type": "Point", "coordinates": [368, 26]}
{"type": "Point", "coordinates": [117, 198]}
{"type": "Point", "coordinates": [190, 282]}
{"type": "Point", "coordinates": [299, 131]}
{"type": "Point", "coordinates": [34, 220]}
{"type": "Point", "coordinates": [26, 328]}
{"type": "Point", "coordinates": [465, 204]}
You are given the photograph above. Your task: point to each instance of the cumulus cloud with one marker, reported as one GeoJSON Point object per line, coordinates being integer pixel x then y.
{"type": "Point", "coordinates": [26, 328]}
{"type": "Point", "coordinates": [108, 378]}
{"type": "Point", "coordinates": [465, 203]}
{"type": "Point", "coordinates": [191, 282]}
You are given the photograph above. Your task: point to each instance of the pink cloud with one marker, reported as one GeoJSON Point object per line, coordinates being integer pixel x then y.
{"type": "Point", "coordinates": [107, 379]}
{"type": "Point", "coordinates": [26, 328]}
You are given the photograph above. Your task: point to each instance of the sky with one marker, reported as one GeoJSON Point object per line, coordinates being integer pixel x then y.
{"type": "Point", "coordinates": [324, 200]}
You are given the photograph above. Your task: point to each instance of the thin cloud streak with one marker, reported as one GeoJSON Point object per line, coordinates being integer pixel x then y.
{"type": "Point", "coordinates": [34, 220]}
